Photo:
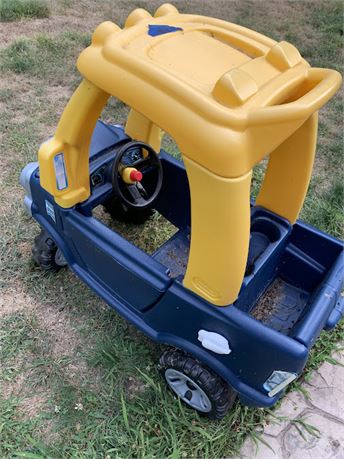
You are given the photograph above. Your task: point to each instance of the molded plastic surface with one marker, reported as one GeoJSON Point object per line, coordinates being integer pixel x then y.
{"type": "Point", "coordinates": [139, 287]}
{"type": "Point", "coordinates": [228, 96]}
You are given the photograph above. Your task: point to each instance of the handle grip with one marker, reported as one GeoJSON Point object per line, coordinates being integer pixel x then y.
{"type": "Point", "coordinates": [323, 85]}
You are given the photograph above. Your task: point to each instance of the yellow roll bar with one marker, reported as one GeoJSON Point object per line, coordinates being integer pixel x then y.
{"type": "Point", "coordinates": [229, 97]}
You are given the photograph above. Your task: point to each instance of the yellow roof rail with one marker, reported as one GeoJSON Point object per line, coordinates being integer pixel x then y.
{"type": "Point", "coordinates": [192, 74]}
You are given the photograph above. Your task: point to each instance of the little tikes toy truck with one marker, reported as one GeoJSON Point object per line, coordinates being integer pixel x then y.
{"type": "Point", "coordinates": [241, 291]}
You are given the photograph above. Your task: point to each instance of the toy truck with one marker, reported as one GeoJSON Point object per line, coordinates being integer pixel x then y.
{"type": "Point", "coordinates": [243, 289]}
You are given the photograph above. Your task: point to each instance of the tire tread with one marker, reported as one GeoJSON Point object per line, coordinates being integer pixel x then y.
{"type": "Point", "coordinates": [221, 395]}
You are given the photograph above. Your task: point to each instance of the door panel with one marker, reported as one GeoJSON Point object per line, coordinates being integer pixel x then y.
{"type": "Point", "coordinates": [127, 272]}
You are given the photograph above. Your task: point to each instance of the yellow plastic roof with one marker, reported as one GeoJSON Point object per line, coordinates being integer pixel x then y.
{"type": "Point", "coordinates": [208, 74]}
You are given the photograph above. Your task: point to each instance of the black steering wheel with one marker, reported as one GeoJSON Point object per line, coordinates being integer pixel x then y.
{"type": "Point", "coordinates": [137, 174]}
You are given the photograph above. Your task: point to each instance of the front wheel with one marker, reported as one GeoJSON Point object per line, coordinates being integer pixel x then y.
{"type": "Point", "coordinates": [196, 385]}
{"type": "Point", "coordinates": [46, 254]}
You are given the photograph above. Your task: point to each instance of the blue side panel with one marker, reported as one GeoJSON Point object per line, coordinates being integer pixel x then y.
{"type": "Point", "coordinates": [174, 199]}
{"type": "Point", "coordinates": [126, 271]}
{"type": "Point", "coordinates": [316, 244]}
{"type": "Point", "coordinates": [55, 227]}
{"type": "Point", "coordinates": [336, 314]}
{"type": "Point", "coordinates": [180, 315]}
{"type": "Point", "coordinates": [325, 308]}
{"type": "Point", "coordinates": [309, 255]}
{"type": "Point", "coordinates": [129, 274]}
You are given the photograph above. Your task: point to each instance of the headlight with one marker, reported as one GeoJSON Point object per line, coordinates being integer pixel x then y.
{"type": "Point", "coordinates": [24, 180]}
{"type": "Point", "coordinates": [277, 381]}
{"type": "Point", "coordinates": [26, 175]}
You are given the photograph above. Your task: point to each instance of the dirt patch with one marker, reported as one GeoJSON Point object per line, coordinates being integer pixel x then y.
{"type": "Point", "coordinates": [34, 405]}
{"type": "Point", "coordinates": [32, 402]}
{"type": "Point", "coordinates": [63, 339]}
{"type": "Point", "coordinates": [65, 343]}
{"type": "Point", "coordinates": [17, 386]}
{"type": "Point", "coordinates": [24, 90]}
{"type": "Point", "coordinates": [59, 93]}
{"type": "Point", "coordinates": [30, 114]}
{"type": "Point", "coordinates": [85, 16]}
{"type": "Point", "coordinates": [268, 302]}
{"type": "Point", "coordinates": [80, 16]}
{"type": "Point", "coordinates": [134, 387]}
{"type": "Point", "coordinates": [16, 83]}
{"type": "Point", "coordinates": [12, 301]}
{"type": "Point", "coordinates": [53, 96]}
{"type": "Point", "coordinates": [29, 28]}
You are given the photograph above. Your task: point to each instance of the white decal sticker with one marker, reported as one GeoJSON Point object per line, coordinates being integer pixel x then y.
{"type": "Point", "coordinates": [50, 210]}
{"type": "Point", "coordinates": [60, 172]}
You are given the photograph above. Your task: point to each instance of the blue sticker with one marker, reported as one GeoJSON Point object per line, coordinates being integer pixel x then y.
{"type": "Point", "coordinates": [155, 30]}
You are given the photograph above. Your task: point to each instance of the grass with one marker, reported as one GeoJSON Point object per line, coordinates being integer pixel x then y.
{"type": "Point", "coordinates": [13, 10]}
{"type": "Point", "coordinates": [129, 407]}
{"type": "Point", "coordinates": [40, 57]}
{"type": "Point", "coordinates": [325, 209]}
{"type": "Point", "coordinates": [76, 380]}
{"type": "Point", "coordinates": [156, 230]}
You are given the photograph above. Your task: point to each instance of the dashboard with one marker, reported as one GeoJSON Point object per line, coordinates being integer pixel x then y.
{"type": "Point", "coordinates": [132, 156]}
{"type": "Point", "coordinates": [101, 167]}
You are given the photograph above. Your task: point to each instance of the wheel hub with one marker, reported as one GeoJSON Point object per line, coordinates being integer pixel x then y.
{"type": "Point", "coordinates": [59, 258]}
{"type": "Point", "coordinates": [188, 390]}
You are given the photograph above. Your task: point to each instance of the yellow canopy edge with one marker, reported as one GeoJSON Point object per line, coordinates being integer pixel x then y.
{"type": "Point", "coordinates": [229, 97]}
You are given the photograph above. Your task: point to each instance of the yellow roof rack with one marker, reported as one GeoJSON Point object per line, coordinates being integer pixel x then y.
{"type": "Point", "coordinates": [207, 73]}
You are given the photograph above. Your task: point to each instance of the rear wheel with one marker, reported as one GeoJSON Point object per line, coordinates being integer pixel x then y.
{"type": "Point", "coordinates": [196, 385]}
{"type": "Point", "coordinates": [46, 254]}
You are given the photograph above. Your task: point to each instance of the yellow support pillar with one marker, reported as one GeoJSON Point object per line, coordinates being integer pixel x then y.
{"type": "Point", "coordinates": [289, 171]}
{"type": "Point", "coordinates": [139, 127]}
{"type": "Point", "coordinates": [72, 139]}
{"type": "Point", "coordinates": [220, 231]}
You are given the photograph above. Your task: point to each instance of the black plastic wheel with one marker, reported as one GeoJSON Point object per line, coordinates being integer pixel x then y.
{"type": "Point", "coordinates": [119, 211]}
{"type": "Point", "coordinates": [46, 253]}
{"type": "Point", "coordinates": [195, 384]}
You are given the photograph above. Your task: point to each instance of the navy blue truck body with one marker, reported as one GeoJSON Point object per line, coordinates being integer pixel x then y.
{"type": "Point", "coordinates": [301, 267]}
